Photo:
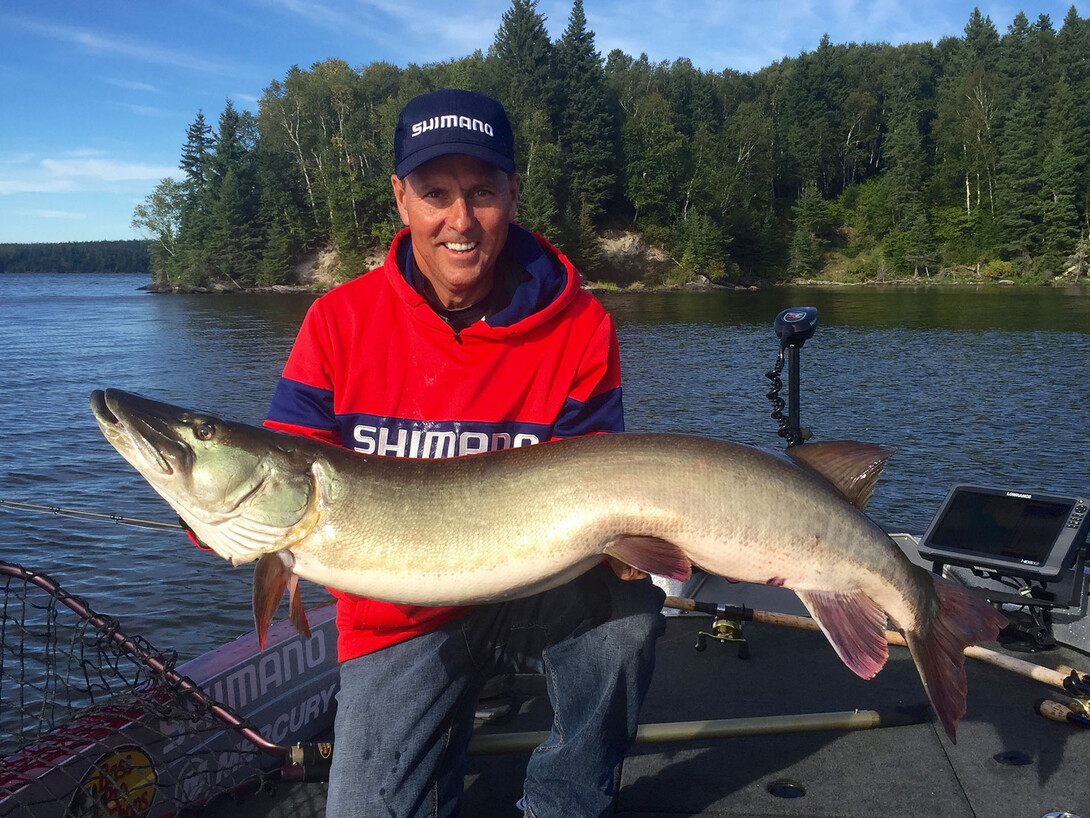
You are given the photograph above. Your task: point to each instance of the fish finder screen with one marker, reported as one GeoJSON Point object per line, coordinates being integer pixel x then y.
{"type": "Point", "coordinates": [1013, 528]}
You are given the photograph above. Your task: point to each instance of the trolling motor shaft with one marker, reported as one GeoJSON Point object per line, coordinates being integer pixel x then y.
{"type": "Point", "coordinates": [794, 326]}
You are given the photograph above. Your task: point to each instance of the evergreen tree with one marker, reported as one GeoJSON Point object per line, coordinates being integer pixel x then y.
{"type": "Point", "coordinates": [1072, 46]}
{"type": "Point", "coordinates": [1014, 67]}
{"type": "Point", "coordinates": [705, 248]}
{"type": "Point", "coordinates": [282, 214]}
{"type": "Point", "coordinates": [585, 250]}
{"type": "Point", "coordinates": [1018, 184]}
{"type": "Point", "coordinates": [585, 123]}
{"type": "Point", "coordinates": [906, 166]}
{"type": "Point", "coordinates": [1078, 263]}
{"type": "Point", "coordinates": [812, 117]}
{"type": "Point", "coordinates": [195, 156]}
{"type": "Point", "coordinates": [1042, 46]}
{"type": "Point", "coordinates": [1059, 217]}
{"type": "Point", "coordinates": [810, 219]}
{"type": "Point", "coordinates": [537, 209]}
{"type": "Point", "coordinates": [919, 242]}
{"type": "Point", "coordinates": [233, 247]}
{"type": "Point", "coordinates": [524, 55]}
{"type": "Point", "coordinates": [184, 266]}
{"type": "Point", "coordinates": [981, 43]}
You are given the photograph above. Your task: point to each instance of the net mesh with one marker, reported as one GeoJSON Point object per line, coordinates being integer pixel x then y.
{"type": "Point", "coordinates": [97, 723]}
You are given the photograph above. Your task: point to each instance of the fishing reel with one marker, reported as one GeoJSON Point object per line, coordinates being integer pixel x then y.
{"type": "Point", "coordinates": [726, 625]}
{"type": "Point", "coordinates": [724, 630]}
{"type": "Point", "coordinates": [1076, 708]}
{"type": "Point", "coordinates": [794, 327]}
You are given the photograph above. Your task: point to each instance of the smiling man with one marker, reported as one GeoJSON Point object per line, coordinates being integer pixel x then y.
{"type": "Point", "coordinates": [458, 206]}
{"type": "Point", "coordinates": [474, 335]}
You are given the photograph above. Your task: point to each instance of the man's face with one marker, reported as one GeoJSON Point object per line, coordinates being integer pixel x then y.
{"type": "Point", "coordinates": [458, 208]}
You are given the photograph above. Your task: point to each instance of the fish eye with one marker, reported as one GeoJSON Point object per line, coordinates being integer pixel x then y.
{"type": "Point", "coordinates": [205, 431]}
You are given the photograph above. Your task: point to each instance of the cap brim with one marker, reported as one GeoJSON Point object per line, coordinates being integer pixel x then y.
{"type": "Point", "coordinates": [415, 160]}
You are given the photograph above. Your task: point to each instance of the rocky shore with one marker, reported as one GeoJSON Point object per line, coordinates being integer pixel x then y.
{"type": "Point", "coordinates": [627, 264]}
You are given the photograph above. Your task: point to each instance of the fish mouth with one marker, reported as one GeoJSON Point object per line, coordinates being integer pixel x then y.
{"type": "Point", "coordinates": [137, 430]}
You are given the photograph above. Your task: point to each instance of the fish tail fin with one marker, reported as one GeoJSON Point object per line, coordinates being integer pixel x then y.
{"type": "Point", "coordinates": [960, 619]}
{"type": "Point", "coordinates": [273, 576]}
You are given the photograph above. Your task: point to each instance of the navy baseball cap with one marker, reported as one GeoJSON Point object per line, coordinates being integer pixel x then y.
{"type": "Point", "coordinates": [452, 121]}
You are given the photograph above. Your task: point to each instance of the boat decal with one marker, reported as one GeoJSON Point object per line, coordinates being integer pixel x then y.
{"type": "Point", "coordinates": [120, 784]}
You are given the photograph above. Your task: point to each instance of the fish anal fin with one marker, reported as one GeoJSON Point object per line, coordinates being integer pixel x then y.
{"type": "Point", "coordinates": [854, 625]}
{"type": "Point", "coordinates": [651, 554]}
{"type": "Point", "coordinates": [962, 619]}
{"type": "Point", "coordinates": [272, 575]}
{"type": "Point", "coordinates": [851, 467]}
{"type": "Point", "coordinates": [295, 608]}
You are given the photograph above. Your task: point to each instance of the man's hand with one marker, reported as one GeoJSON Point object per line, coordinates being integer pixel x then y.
{"type": "Point", "coordinates": [626, 571]}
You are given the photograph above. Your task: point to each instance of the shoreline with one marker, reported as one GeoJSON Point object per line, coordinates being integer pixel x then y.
{"type": "Point", "coordinates": [637, 289]}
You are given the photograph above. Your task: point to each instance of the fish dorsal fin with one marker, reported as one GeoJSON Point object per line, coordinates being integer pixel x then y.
{"type": "Point", "coordinates": [854, 625]}
{"type": "Point", "coordinates": [852, 468]}
{"type": "Point", "coordinates": [653, 555]}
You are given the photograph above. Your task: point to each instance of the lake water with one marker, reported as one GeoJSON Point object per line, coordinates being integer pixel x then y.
{"type": "Point", "coordinates": [967, 385]}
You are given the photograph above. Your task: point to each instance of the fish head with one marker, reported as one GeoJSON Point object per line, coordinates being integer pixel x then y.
{"type": "Point", "coordinates": [243, 490]}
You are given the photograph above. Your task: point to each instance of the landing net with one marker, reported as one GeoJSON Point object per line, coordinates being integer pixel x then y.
{"type": "Point", "coordinates": [97, 723]}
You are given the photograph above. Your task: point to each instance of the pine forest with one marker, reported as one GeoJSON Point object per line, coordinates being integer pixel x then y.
{"type": "Point", "coordinates": [965, 159]}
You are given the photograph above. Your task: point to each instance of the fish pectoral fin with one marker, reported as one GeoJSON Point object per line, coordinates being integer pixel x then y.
{"type": "Point", "coordinates": [853, 468]}
{"type": "Point", "coordinates": [296, 613]}
{"type": "Point", "coordinates": [651, 554]}
{"type": "Point", "coordinates": [272, 575]}
{"type": "Point", "coordinates": [854, 625]}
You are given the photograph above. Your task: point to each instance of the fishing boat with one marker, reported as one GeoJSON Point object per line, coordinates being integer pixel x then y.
{"type": "Point", "coordinates": [750, 712]}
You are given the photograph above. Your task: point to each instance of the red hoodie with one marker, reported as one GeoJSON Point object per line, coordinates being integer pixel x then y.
{"type": "Point", "coordinates": [375, 369]}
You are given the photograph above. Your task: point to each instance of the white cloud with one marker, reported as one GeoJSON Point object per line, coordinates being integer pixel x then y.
{"type": "Point", "coordinates": [104, 44]}
{"type": "Point", "coordinates": [81, 170]}
{"type": "Point", "coordinates": [247, 101]}
{"type": "Point", "coordinates": [105, 170]}
{"type": "Point", "coordinates": [146, 110]}
{"type": "Point", "coordinates": [447, 30]}
{"type": "Point", "coordinates": [36, 213]}
{"type": "Point", "coordinates": [133, 85]}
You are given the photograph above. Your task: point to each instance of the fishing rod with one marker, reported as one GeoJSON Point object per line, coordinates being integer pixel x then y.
{"type": "Point", "coordinates": [118, 519]}
{"type": "Point", "coordinates": [1074, 709]}
{"type": "Point", "coordinates": [1060, 678]}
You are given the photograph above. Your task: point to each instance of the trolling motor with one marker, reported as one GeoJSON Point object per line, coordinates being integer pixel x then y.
{"type": "Point", "coordinates": [794, 326]}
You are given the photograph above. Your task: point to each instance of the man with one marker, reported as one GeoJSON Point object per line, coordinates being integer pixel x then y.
{"type": "Point", "coordinates": [474, 335]}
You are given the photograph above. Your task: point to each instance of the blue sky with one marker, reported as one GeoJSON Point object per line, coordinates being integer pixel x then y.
{"type": "Point", "coordinates": [97, 94]}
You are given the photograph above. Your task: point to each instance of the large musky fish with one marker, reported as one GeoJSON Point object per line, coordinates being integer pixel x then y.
{"type": "Point", "coordinates": [489, 527]}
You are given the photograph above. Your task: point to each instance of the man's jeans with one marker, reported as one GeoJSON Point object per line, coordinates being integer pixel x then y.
{"type": "Point", "coordinates": [405, 713]}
